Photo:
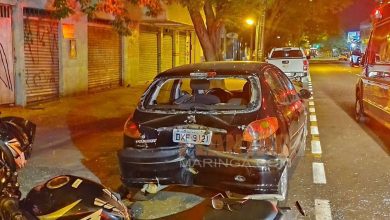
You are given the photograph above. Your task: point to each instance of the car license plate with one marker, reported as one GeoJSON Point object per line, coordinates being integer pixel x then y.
{"type": "Point", "coordinates": [191, 136]}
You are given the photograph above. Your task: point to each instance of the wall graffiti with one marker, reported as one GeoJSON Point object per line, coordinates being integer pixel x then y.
{"type": "Point", "coordinates": [41, 49]}
{"type": "Point", "coordinates": [5, 73]}
{"type": "Point", "coordinates": [39, 78]}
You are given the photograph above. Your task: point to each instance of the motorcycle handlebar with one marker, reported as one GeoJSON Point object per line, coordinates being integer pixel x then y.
{"type": "Point", "coordinates": [9, 208]}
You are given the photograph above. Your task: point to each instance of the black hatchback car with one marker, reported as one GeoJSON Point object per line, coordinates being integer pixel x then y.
{"type": "Point", "coordinates": [235, 126]}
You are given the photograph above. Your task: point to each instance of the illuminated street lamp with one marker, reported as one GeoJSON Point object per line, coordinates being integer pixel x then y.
{"type": "Point", "coordinates": [250, 22]}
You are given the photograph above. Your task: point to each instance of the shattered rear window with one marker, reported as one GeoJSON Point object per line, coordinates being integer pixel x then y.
{"type": "Point", "coordinates": [191, 93]}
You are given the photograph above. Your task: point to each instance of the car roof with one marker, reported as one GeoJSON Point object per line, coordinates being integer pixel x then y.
{"type": "Point", "coordinates": [221, 67]}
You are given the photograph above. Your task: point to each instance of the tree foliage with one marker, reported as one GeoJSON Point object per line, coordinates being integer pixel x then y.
{"type": "Point", "coordinates": [299, 21]}
{"type": "Point", "coordinates": [295, 21]}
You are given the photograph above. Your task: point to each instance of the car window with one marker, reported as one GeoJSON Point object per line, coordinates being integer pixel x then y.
{"type": "Point", "coordinates": [291, 92]}
{"type": "Point", "coordinates": [277, 86]}
{"type": "Point", "coordinates": [379, 49]}
{"type": "Point", "coordinates": [232, 92]}
{"type": "Point", "coordinates": [287, 54]}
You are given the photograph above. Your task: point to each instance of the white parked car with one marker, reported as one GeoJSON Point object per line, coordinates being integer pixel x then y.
{"type": "Point", "coordinates": [291, 60]}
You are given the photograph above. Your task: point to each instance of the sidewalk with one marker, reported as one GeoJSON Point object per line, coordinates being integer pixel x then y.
{"type": "Point", "coordinates": [77, 135]}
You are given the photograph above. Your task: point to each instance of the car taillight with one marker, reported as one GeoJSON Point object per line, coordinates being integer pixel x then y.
{"type": "Point", "coordinates": [131, 129]}
{"type": "Point", "coordinates": [305, 64]}
{"type": "Point", "coordinates": [260, 129]}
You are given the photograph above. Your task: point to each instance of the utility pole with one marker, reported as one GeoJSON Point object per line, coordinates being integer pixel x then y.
{"type": "Point", "coordinates": [260, 32]}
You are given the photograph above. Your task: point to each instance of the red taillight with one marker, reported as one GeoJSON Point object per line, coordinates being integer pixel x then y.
{"type": "Point", "coordinates": [305, 65]}
{"type": "Point", "coordinates": [260, 129]}
{"type": "Point", "coordinates": [131, 129]}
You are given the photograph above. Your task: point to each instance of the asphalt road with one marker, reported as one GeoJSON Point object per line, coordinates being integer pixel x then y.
{"type": "Point", "coordinates": [355, 158]}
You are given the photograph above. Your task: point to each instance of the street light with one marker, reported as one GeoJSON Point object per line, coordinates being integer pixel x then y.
{"type": "Point", "coordinates": [250, 22]}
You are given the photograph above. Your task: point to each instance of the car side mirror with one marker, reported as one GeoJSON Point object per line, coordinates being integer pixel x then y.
{"type": "Point", "coordinates": [304, 94]}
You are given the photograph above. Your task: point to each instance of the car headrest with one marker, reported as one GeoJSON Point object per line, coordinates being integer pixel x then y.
{"type": "Point", "coordinates": [199, 84]}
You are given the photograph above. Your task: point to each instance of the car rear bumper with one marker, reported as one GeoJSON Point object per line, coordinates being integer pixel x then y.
{"type": "Point", "coordinates": [232, 174]}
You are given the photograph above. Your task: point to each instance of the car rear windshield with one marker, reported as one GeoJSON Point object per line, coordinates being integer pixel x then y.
{"type": "Point", "coordinates": [287, 54]}
{"type": "Point", "coordinates": [203, 94]}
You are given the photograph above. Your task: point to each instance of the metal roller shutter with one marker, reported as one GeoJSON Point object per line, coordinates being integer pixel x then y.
{"type": "Point", "coordinates": [148, 56]}
{"type": "Point", "coordinates": [182, 49]}
{"type": "Point", "coordinates": [7, 87]}
{"type": "Point", "coordinates": [167, 52]}
{"type": "Point", "coordinates": [104, 58]}
{"type": "Point", "coordinates": [41, 59]}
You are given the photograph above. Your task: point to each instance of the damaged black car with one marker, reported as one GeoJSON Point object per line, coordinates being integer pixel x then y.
{"type": "Point", "coordinates": [235, 126]}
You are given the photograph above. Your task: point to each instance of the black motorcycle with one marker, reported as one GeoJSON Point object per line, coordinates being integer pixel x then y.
{"type": "Point", "coordinates": [62, 197]}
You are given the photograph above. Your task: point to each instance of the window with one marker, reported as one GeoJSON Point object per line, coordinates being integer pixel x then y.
{"type": "Point", "coordinates": [185, 93]}
{"type": "Point", "coordinates": [277, 87]}
{"type": "Point", "coordinates": [379, 49]}
{"type": "Point", "coordinates": [291, 92]}
{"type": "Point", "coordinates": [287, 54]}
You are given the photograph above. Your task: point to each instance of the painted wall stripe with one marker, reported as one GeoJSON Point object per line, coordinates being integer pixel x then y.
{"type": "Point", "coordinates": [322, 209]}
{"type": "Point", "coordinates": [316, 147]}
{"type": "Point", "coordinates": [319, 173]}
{"type": "Point", "coordinates": [314, 130]}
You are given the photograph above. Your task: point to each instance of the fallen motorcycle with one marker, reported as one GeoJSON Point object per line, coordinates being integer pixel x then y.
{"type": "Point", "coordinates": [62, 197]}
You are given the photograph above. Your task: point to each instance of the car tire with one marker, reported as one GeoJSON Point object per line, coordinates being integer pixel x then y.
{"type": "Point", "coordinates": [283, 183]}
{"type": "Point", "coordinates": [359, 111]}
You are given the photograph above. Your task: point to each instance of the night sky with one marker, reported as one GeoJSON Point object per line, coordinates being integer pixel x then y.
{"type": "Point", "coordinates": [359, 11]}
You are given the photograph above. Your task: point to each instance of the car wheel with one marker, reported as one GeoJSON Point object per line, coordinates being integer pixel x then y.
{"type": "Point", "coordinates": [283, 183]}
{"type": "Point", "coordinates": [359, 112]}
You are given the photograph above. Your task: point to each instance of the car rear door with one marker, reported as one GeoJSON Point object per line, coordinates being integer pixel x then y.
{"type": "Point", "coordinates": [285, 107]}
{"type": "Point", "coordinates": [299, 111]}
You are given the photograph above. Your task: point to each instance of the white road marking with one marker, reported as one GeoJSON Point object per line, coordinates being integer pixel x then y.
{"type": "Point", "coordinates": [313, 118]}
{"type": "Point", "coordinates": [314, 130]}
{"type": "Point", "coordinates": [316, 147]}
{"type": "Point", "coordinates": [319, 173]}
{"type": "Point", "coordinates": [311, 98]}
{"type": "Point", "coordinates": [322, 209]}
{"type": "Point", "coordinates": [311, 103]}
{"type": "Point", "coordinates": [312, 110]}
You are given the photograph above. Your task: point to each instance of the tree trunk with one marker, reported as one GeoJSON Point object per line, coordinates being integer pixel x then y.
{"type": "Point", "coordinates": [209, 36]}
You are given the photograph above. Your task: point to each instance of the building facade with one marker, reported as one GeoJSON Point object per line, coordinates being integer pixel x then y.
{"type": "Point", "coordinates": [43, 58]}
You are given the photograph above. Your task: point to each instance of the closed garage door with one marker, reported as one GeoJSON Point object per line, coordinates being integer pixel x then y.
{"type": "Point", "coordinates": [148, 56]}
{"type": "Point", "coordinates": [182, 49]}
{"type": "Point", "coordinates": [104, 58]}
{"type": "Point", "coordinates": [6, 58]}
{"type": "Point", "coordinates": [41, 59]}
{"type": "Point", "coordinates": [167, 52]}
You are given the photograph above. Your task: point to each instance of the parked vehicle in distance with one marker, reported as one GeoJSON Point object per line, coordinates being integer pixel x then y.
{"type": "Point", "coordinates": [343, 57]}
{"type": "Point", "coordinates": [235, 126]}
{"type": "Point", "coordinates": [355, 58]}
{"type": "Point", "coordinates": [291, 60]}
{"type": "Point", "coordinates": [373, 86]}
